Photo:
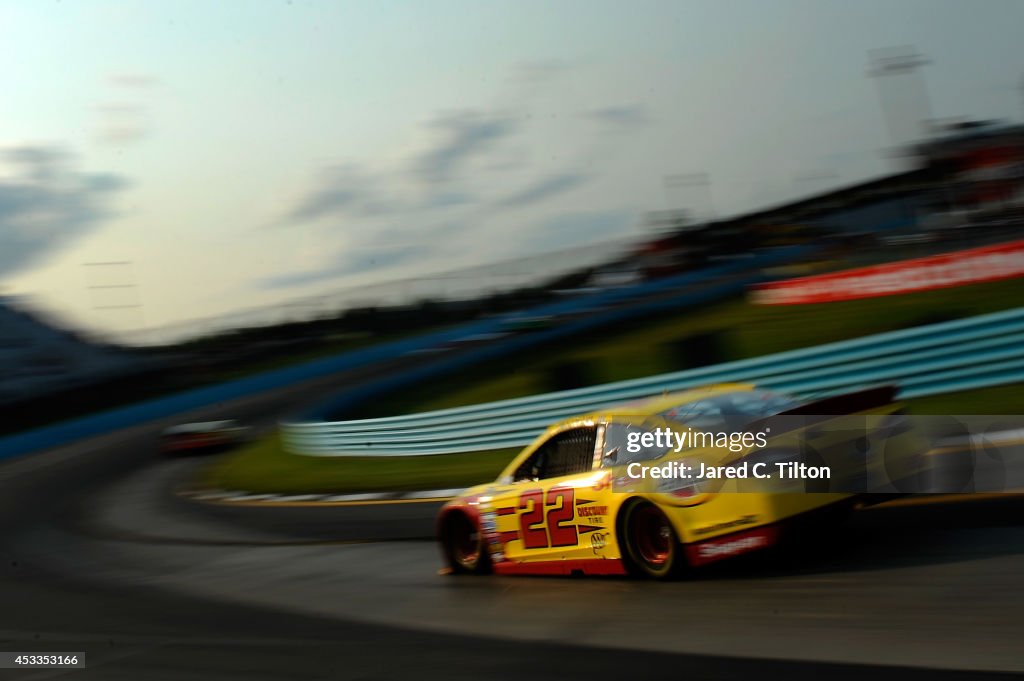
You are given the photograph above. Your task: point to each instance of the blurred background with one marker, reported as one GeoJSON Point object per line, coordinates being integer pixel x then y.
{"type": "Point", "coordinates": [242, 229]}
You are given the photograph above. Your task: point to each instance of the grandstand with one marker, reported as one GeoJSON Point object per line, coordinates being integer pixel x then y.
{"type": "Point", "coordinates": [37, 358]}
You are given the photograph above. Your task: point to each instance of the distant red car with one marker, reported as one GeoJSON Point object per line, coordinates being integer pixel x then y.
{"type": "Point", "coordinates": [207, 436]}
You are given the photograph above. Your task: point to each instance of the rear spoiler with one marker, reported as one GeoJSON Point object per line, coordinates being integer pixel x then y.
{"type": "Point", "coordinates": [834, 405]}
{"type": "Point", "coordinates": [847, 403]}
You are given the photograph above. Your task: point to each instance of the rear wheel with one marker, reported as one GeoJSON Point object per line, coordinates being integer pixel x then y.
{"type": "Point", "coordinates": [651, 545]}
{"type": "Point", "coordinates": [464, 548]}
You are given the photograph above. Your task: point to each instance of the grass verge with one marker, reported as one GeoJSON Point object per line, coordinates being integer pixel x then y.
{"type": "Point", "coordinates": [265, 467]}
{"type": "Point", "coordinates": [740, 330]}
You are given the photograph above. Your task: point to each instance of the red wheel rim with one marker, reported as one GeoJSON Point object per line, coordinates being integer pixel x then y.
{"type": "Point", "coordinates": [653, 536]}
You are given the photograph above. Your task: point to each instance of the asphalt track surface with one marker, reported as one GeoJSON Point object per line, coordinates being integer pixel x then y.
{"type": "Point", "coordinates": [99, 556]}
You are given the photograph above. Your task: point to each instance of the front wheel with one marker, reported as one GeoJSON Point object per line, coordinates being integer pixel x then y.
{"type": "Point", "coordinates": [651, 545]}
{"type": "Point", "coordinates": [463, 543]}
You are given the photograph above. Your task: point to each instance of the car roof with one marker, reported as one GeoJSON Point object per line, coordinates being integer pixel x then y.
{"type": "Point", "coordinates": [653, 406]}
{"type": "Point", "coordinates": [203, 427]}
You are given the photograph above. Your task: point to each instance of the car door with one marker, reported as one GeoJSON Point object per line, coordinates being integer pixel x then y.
{"type": "Point", "coordinates": [536, 515]}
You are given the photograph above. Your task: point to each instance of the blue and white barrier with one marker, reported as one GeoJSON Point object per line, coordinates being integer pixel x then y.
{"type": "Point", "coordinates": [965, 354]}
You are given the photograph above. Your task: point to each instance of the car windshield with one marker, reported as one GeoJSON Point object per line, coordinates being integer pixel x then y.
{"type": "Point", "coordinates": [624, 443]}
{"type": "Point", "coordinates": [730, 411]}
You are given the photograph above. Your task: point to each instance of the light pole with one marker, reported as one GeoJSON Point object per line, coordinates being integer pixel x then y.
{"type": "Point", "coordinates": [702, 181]}
{"type": "Point", "coordinates": [902, 92]}
{"type": "Point", "coordinates": [1022, 97]}
{"type": "Point", "coordinates": [122, 281]}
{"type": "Point", "coordinates": [816, 180]}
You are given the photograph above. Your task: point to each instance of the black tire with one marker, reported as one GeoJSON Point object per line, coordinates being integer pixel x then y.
{"type": "Point", "coordinates": [650, 545]}
{"type": "Point", "coordinates": [464, 548]}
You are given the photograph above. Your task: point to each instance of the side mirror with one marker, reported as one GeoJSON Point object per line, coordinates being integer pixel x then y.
{"type": "Point", "coordinates": [612, 456]}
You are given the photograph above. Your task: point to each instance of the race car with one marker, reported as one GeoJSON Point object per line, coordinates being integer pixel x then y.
{"type": "Point", "coordinates": [596, 494]}
{"type": "Point", "coordinates": [202, 437]}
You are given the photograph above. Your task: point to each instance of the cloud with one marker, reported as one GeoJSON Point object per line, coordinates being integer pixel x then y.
{"type": "Point", "coordinates": [448, 199]}
{"type": "Point", "coordinates": [296, 279]}
{"type": "Point", "coordinates": [354, 191]}
{"type": "Point", "coordinates": [38, 163]}
{"type": "Point", "coordinates": [348, 262]}
{"type": "Point", "coordinates": [412, 250]}
{"type": "Point", "coordinates": [538, 72]}
{"type": "Point", "coordinates": [121, 109]}
{"type": "Point", "coordinates": [621, 117]}
{"type": "Point", "coordinates": [342, 190]}
{"type": "Point", "coordinates": [125, 122]}
{"type": "Point", "coordinates": [447, 205]}
{"type": "Point", "coordinates": [409, 240]}
{"type": "Point", "coordinates": [571, 229]}
{"type": "Point", "coordinates": [133, 80]}
{"type": "Point", "coordinates": [516, 159]}
{"type": "Point", "coordinates": [46, 203]}
{"type": "Point", "coordinates": [462, 136]}
{"type": "Point", "coordinates": [544, 189]}
{"type": "Point", "coordinates": [121, 134]}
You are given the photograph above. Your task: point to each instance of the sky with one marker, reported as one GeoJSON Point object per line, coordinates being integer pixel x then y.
{"type": "Point", "coordinates": [239, 154]}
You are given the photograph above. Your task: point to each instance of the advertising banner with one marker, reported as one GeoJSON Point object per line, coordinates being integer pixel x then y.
{"type": "Point", "coordinates": [988, 263]}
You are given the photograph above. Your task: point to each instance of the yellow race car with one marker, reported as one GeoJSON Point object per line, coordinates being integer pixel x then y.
{"type": "Point", "coordinates": [677, 481]}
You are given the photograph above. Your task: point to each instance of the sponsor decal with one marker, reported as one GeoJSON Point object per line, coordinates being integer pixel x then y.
{"type": "Point", "coordinates": [591, 511]}
{"type": "Point", "coordinates": [545, 519]}
{"type": "Point", "coordinates": [598, 541]}
{"type": "Point", "coordinates": [489, 528]}
{"type": "Point", "coordinates": [731, 545]}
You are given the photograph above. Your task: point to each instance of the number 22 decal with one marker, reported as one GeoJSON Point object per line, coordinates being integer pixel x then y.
{"type": "Point", "coordinates": [560, 510]}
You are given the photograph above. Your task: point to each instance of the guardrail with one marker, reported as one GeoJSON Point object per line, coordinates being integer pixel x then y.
{"type": "Point", "coordinates": [964, 354]}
